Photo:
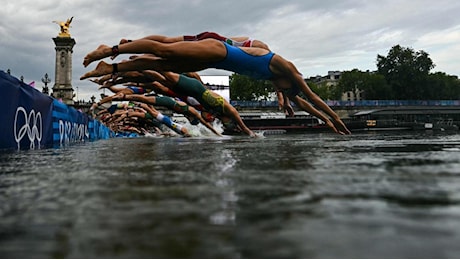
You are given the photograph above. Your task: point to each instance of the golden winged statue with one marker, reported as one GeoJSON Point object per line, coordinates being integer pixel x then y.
{"type": "Point", "coordinates": [64, 27]}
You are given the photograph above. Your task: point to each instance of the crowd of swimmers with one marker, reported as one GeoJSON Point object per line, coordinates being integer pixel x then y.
{"type": "Point", "coordinates": [162, 72]}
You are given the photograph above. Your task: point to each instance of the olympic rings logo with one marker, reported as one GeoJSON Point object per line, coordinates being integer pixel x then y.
{"type": "Point", "coordinates": [32, 126]}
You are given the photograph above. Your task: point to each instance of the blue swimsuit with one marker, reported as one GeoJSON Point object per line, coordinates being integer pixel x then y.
{"type": "Point", "coordinates": [237, 60]}
{"type": "Point", "coordinates": [137, 90]}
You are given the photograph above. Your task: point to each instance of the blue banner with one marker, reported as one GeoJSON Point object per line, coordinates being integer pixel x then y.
{"type": "Point", "coordinates": [30, 119]}
{"type": "Point", "coordinates": [98, 131]}
{"type": "Point", "coordinates": [25, 115]}
{"type": "Point", "coordinates": [69, 125]}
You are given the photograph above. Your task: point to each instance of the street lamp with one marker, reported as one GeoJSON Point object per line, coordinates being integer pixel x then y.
{"type": "Point", "coordinates": [46, 80]}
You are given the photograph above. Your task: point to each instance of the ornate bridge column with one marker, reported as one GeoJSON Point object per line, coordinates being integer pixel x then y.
{"type": "Point", "coordinates": [62, 88]}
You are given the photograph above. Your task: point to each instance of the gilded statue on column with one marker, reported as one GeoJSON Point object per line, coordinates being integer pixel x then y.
{"type": "Point", "coordinates": [64, 27]}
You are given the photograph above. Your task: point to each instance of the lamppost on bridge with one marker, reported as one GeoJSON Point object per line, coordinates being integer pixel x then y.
{"type": "Point", "coordinates": [46, 80]}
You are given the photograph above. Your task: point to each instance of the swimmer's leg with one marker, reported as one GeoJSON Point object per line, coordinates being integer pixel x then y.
{"type": "Point", "coordinates": [173, 125]}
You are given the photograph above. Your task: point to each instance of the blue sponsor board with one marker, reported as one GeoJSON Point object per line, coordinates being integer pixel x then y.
{"type": "Point", "coordinates": [97, 130]}
{"type": "Point", "coordinates": [69, 125]}
{"type": "Point", "coordinates": [31, 120]}
{"type": "Point", "coordinates": [25, 115]}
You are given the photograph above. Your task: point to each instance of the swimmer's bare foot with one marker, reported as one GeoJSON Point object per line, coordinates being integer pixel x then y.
{"type": "Point", "coordinates": [119, 96]}
{"type": "Point", "coordinates": [105, 78]}
{"type": "Point", "coordinates": [101, 52]}
{"type": "Point", "coordinates": [97, 81]}
{"type": "Point", "coordinates": [102, 80]}
{"type": "Point", "coordinates": [101, 69]}
{"type": "Point", "coordinates": [102, 87]}
{"type": "Point", "coordinates": [122, 41]}
{"type": "Point", "coordinates": [107, 84]}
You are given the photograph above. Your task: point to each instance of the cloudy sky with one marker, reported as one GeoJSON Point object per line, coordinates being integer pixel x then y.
{"type": "Point", "coordinates": [317, 35]}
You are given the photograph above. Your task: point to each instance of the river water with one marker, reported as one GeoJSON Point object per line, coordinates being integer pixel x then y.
{"type": "Point", "coordinates": [321, 195]}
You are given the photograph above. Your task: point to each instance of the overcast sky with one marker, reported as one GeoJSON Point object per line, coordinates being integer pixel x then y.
{"type": "Point", "coordinates": [317, 36]}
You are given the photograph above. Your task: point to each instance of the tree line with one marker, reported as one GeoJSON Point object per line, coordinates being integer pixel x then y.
{"type": "Point", "coordinates": [404, 74]}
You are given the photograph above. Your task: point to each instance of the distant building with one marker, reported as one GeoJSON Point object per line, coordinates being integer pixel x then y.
{"type": "Point", "coordinates": [332, 79]}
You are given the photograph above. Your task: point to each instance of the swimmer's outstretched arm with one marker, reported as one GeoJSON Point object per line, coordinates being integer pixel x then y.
{"type": "Point", "coordinates": [196, 114]}
{"type": "Point", "coordinates": [233, 113]}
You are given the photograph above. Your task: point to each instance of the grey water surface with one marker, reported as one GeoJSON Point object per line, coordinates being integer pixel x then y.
{"type": "Point", "coordinates": [368, 195]}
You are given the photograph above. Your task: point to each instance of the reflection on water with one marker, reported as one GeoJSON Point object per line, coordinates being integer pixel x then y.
{"type": "Point", "coordinates": [368, 195]}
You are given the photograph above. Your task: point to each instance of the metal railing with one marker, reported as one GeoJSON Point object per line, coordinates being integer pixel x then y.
{"type": "Point", "coordinates": [358, 103]}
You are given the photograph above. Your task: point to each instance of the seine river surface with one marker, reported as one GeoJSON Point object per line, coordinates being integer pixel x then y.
{"type": "Point", "coordinates": [368, 195]}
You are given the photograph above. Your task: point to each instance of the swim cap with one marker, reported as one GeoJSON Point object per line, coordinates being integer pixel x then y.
{"type": "Point", "coordinates": [208, 117]}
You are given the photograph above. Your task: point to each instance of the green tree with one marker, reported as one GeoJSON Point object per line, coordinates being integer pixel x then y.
{"type": "Point", "coordinates": [406, 71]}
{"type": "Point", "coordinates": [324, 91]}
{"type": "Point", "coordinates": [443, 86]}
{"type": "Point", "coordinates": [353, 81]}
{"type": "Point", "coordinates": [245, 88]}
{"type": "Point", "coordinates": [376, 87]}
{"type": "Point", "coordinates": [373, 85]}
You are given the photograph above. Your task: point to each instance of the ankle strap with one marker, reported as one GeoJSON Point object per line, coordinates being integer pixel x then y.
{"type": "Point", "coordinates": [114, 68]}
{"type": "Point", "coordinates": [115, 50]}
